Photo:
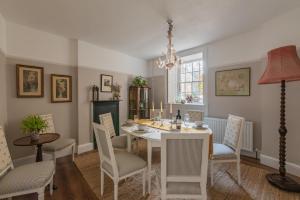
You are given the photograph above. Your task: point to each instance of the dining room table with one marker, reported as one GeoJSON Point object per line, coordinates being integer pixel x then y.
{"type": "Point", "coordinates": [152, 133]}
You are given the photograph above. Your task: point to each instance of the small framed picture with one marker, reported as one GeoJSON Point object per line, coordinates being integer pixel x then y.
{"type": "Point", "coordinates": [30, 81]}
{"type": "Point", "coordinates": [61, 88]}
{"type": "Point", "coordinates": [106, 83]}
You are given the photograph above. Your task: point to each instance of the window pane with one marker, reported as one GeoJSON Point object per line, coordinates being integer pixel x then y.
{"type": "Point", "coordinates": [188, 77]}
{"type": "Point", "coordinates": [196, 66]}
{"type": "Point", "coordinates": [182, 70]}
{"type": "Point", "coordinates": [201, 62]}
{"type": "Point", "coordinates": [182, 87]}
{"type": "Point", "coordinates": [188, 87]}
{"type": "Point", "coordinates": [182, 77]}
{"type": "Point", "coordinates": [196, 87]}
{"type": "Point", "coordinates": [189, 67]}
{"type": "Point", "coordinates": [196, 76]}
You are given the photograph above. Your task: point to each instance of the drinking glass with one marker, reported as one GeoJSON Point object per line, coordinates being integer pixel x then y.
{"type": "Point", "coordinates": [186, 119]}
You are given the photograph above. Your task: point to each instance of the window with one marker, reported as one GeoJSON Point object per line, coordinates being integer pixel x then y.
{"type": "Point", "coordinates": [186, 82]}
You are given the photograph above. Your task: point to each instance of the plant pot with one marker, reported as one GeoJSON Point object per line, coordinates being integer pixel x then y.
{"type": "Point", "coordinates": [35, 136]}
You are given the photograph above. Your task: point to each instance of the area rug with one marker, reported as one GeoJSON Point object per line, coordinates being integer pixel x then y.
{"type": "Point", "coordinates": [254, 184]}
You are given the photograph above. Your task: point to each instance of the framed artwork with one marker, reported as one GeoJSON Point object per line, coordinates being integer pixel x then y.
{"type": "Point", "coordinates": [30, 81]}
{"type": "Point", "coordinates": [61, 88]}
{"type": "Point", "coordinates": [235, 82]}
{"type": "Point", "coordinates": [106, 83]}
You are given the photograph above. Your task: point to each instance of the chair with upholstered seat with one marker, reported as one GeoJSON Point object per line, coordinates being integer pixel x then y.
{"type": "Point", "coordinates": [26, 179]}
{"type": "Point", "coordinates": [195, 115]}
{"type": "Point", "coordinates": [118, 165]}
{"type": "Point", "coordinates": [184, 161]}
{"type": "Point", "coordinates": [118, 142]}
{"type": "Point", "coordinates": [62, 144]}
{"type": "Point", "coordinates": [229, 151]}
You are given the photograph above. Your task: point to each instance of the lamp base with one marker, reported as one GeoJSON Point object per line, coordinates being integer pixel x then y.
{"type": "Point", "coordinates": [283, 182]}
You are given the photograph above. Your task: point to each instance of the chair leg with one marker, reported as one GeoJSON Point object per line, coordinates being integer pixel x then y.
{"type": "Point", "coordinates": [211, 173]}
{"type": "Point", "coordinates": [51, 186]}
{"type": "Point", "coordinates": [54, 159]}
{"type": "Point", "coordinates": [115, 190]}
{"type": "Point", "coordinates": [41, 195]}
{"type": "Point", "coordinates": [101, 182]}
{"type": "Point", "coordinates": [73, 152]}
{"type": "Point", "coordinates": [238, 171]}
{"type": "Point", "coordinates": [144, 182]}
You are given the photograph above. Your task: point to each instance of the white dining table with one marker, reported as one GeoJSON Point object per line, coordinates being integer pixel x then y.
{"type": "Point", "coordinates": [153, 137]}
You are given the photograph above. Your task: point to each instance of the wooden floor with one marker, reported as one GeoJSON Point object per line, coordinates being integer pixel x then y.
{"type": "Point", "coordinates": [72, 185]}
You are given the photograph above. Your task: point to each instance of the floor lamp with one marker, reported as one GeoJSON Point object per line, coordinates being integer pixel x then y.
{"type": "Point", "coordinates": [283, 66]}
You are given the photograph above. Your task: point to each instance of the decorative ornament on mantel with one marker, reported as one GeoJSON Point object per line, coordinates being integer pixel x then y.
{"type": "Point", "coordinates": [171, 59]}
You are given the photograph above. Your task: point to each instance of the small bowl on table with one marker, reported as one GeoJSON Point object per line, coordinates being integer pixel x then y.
{"type": "Point", "coordinates": [199, 123]}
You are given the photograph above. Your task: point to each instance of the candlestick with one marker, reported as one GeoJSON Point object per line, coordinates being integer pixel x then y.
{"type": "Point", "coordinates": [153, 106]}
{"type": "Point", "coordinates": [161, 108]}
{"type": "Point", "coordinates": [171, 110]}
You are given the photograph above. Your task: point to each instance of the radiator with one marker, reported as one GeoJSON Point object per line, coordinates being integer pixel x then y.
{"type": "Point", "coordinates": [218, 127]}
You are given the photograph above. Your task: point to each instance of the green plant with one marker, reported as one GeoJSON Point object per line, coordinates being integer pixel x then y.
{"type": "Point", "coordinates": [139, 81]}
{"type": "Point", "coordinates": [33, 124]}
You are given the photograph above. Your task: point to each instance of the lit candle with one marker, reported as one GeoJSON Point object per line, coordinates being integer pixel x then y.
{"type": "Point", "coordinates": [171, 110]}
{"type": "Point", "coordinates": [161, 109]}
{"type": "Point", "coordinates": [153, 106]}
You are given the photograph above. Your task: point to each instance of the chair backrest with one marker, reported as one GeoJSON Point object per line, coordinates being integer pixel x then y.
{"type": "Point", "coordinates": [184, 160]}
{"type": "Point", "coordinates": [233, 132]}
{"type": "Point", "coordinates": [195, 115]}
{"type": "Point", "coordinates": [156, 113]}
{"type": "Point", "coordinates": [105, 149]}
{"type": "Point", "coordinates": [106, 120]}
{"type": "Point", "coordinates": [49, 119]}
{"type": "Point", "coordinates": [5, 159]}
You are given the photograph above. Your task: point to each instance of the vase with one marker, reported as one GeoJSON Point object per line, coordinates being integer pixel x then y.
{"type": "Point", "coordinates": [35, 136]}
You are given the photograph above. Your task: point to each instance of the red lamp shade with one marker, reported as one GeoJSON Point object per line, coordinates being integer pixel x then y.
{"type": "Point", "coordinates": [283, 64]}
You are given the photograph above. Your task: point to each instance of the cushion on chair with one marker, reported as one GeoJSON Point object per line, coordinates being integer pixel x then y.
{"type": "Point", "coordinates": [27, 177]}
{"type": "Point", "coordinates": [221, 151]}
{"type": "Point", "coordinates": [126, 163]}
{"type": "Point", "coordinates": [59, 144]}
{"type": "Point", "coordinates": [183, 188]}
{"type": "Point", "coordinates": [119, 141]}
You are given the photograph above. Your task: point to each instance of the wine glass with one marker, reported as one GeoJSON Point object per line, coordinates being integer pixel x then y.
{"type": "Point", "coordinates": [186, 119]}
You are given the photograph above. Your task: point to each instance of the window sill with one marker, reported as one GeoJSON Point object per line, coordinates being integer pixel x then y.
{"type": "Point", "coordinates": [192, 104]}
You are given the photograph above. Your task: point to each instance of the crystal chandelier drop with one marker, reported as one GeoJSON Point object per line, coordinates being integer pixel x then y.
{"type": "Point", "coordinates": [170, 59]}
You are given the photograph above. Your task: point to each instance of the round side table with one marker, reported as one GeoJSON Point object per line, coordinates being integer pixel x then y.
{"type": "Point", "coordinates": [43, 138]}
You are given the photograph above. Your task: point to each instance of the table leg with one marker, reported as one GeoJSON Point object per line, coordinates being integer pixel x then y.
{"type": "Point", "coordinates": [149, 157]}
{"type": "Point", "coordinates": [39, 153]}
{"type": "Point", "coordinates": [128, 142]}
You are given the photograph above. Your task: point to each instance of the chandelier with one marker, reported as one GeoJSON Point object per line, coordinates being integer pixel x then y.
{"type": "Point", "coordinates": [170, 59]}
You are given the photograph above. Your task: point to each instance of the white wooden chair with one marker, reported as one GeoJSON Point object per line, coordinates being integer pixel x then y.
{"type": "Point", "coordinates": [184, 161]}
{"type": "Point", "coordinates": [195, 115]}
{"type": "Point", "coordinates": [230, 150]}
{"type": "Point", "coordinates": [118, 142]}
{"type": "Point", "coordinates": [26, 179]}
{"type": "Point", "coordinates": [118, 165]}
{"type": "Point", "coordinates": [61, 145]}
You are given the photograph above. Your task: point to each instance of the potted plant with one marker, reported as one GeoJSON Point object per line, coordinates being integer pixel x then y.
{"type": "Point", "coordinates": [33, 125]}
{"type": "Point", "coordinates": [139, 81]}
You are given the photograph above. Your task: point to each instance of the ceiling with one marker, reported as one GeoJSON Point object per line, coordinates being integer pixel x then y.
{"type": "Point", "coordinates": [138, 27]}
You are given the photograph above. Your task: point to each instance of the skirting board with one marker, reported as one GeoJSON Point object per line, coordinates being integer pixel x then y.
{"type": "Point", "coordinates": [291, 168]}
{"type": "Point", "coordinates": [82, 148]}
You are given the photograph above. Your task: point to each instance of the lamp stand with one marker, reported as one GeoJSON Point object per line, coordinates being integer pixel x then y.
{"type": "Point", "coordinates": [281, 180]}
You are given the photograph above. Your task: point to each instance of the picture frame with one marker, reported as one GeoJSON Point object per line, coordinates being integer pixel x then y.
{"type": "Point", "coordinates": [61, 88]}
{"type": "Point", "coordinates": [106, 83]}
{"type": "Point", "coordinates": [233, 82]}
{"type": "Point", "coordinates": [29, 81]}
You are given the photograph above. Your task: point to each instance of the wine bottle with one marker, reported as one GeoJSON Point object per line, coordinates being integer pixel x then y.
{"type": "Point", "coordinates": [178, 120]}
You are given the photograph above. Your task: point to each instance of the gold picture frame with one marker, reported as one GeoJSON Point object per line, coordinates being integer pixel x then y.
{"type": "Point", "coordinates": [29, 81]}
{"type": "Point", "coordinates": [61, 88]}
{"type": "Point", "coordinates": [233, 82]}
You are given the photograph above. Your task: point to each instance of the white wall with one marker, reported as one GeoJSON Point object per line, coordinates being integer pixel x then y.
{"type": "Point", "coordinates": [2, 34]}
{"type": "Point", "coordinates": [92, 56]}
{"type": "Point", "coordinates": [27, 43]}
